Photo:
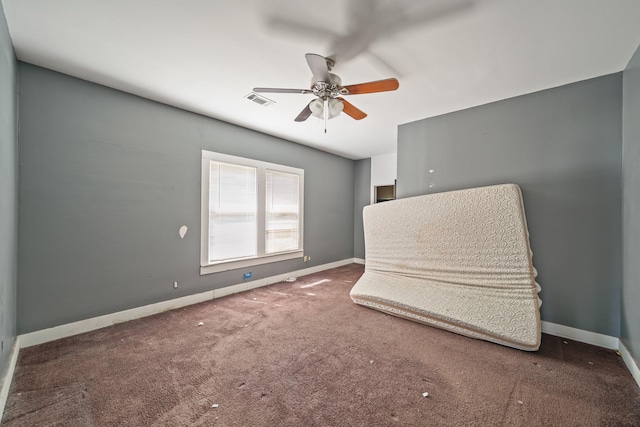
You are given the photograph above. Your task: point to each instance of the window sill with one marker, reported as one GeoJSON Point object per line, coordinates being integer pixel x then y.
{"type": "Point", "coordinates": [248, 262]}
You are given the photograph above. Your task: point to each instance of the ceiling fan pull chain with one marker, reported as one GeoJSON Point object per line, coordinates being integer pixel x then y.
{"type": "Point", "coordinates": [326, 113]}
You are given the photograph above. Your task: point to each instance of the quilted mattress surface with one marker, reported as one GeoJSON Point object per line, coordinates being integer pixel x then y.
{"type": "Point", "coordinates": [458, 260]}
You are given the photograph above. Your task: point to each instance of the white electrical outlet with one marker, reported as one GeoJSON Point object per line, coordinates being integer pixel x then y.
{"type": "Point", "coordinates": [175, 285]}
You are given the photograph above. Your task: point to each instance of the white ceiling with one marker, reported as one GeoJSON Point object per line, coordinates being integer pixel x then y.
{"type": "Point", "coordinates": [206, 55]}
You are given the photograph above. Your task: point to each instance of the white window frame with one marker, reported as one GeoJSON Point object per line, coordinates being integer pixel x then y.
{"type": "Point", "coordinates": [207, 267]}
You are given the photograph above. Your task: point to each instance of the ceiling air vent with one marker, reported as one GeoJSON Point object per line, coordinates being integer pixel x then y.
{"type": "Point", "coordinates": [258, 99]}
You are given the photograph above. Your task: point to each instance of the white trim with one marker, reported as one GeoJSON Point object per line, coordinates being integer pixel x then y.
{"type": "Point", "coordinates": [228, 290]}
{"type": "Point", "coordinates": [207, 266]}
{"type": "Point", "coordinates": [82, 326]}
{"type": "Point", "coordinates": [249, 262]}
{"type": "Point", "coordinates": [204, 210]}
{"type": "Point", "coordinates": [87, 325]}
{"type": "Point", "coordinates": [580, 335]}
{"type": "Point", "coordinates": [359, 261]}
{"type": "Point", "coordinates": [594, 338]}
{"type": "Point", "coordinates": [631, 364]}
{"type": "Point", "coordinates": [8, 375]}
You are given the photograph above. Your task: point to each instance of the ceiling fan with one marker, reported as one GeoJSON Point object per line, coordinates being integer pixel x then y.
{"type": "Point", "coordinates": [366, 22]}
{"type": "Point", "coordinates": [329, 91]}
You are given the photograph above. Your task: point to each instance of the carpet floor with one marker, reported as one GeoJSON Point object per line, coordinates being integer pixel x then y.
{"type": "Point", "coordinates": [303, 354]}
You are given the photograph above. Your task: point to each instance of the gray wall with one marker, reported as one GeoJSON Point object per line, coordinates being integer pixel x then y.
{"type": "Point", "coordinates": [362, 188]}
{"type": "Point", "coordinates": [8, 194]}
{"type": "Point", "coordinates": [108, 178]}
{"type": "Point", "coordinates": [563, 147]}
{"type": "Point", "coordinates": [630, 327]}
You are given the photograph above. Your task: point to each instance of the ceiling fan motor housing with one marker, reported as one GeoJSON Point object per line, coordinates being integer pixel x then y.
{"type": "Point", "coordinates": [329, 89]}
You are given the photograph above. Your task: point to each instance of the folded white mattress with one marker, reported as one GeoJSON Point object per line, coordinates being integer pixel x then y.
{"type": "Point", "coordinates": [459, 260]}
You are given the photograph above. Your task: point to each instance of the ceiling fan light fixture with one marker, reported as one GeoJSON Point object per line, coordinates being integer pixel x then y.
{"type": "Point", "coordinates": [334, 109]}
{"type": "Point", "coordinates": [317, 108]}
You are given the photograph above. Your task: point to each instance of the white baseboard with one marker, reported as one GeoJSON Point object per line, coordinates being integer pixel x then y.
{"type": "Point", "coordinates": [6, 379]}
{"type": "Point", "coordinates": [87, 325]}
{"type": "Point", "coordinates": [82, 326]}
{"type": "Point", "coordinates": [580, 335]}
{"type": "Point", "coordinates": [630, 362]}
{"type": "Point", "coordinates": [70, 329]}
{"type": "Point", "coordinates": [241, 287]}
{"type": "Point", "coordinates": [358, 261]}
{"type": "Point", "coordinates": [594, 338]}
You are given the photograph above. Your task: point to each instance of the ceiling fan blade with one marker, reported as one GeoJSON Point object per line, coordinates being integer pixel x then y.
{"type": "Point", "coordinates": [294, 28]}
{"type": "Point", "coordinates": [352, 111]}
{"type": "Point", "coordinates": [304, 114]}
{"type": "Point", "coordinates": [280, 90]}
{"type": "Point", "coordinates": [370, 87]}
{"type": "Point", "coordinates": [319, 68]}
{"type": "Point", "coordinates": [380, 62]}
{"type": "Point", "coordinates": [371, 20]}
{"type": "Point", "coordinates": [403, 20]}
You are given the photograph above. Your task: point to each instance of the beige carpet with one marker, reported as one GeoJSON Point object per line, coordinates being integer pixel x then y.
{"type": "Point", "coordinates": [303, 354]}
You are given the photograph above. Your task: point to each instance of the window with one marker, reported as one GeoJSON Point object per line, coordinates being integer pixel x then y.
{"type": "Point", "coordinates": [251, 212]}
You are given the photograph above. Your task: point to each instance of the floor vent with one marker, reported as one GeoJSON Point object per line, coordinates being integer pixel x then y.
{"type": "Point", "coordinates": [259, 99]}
